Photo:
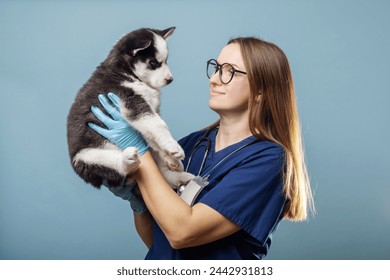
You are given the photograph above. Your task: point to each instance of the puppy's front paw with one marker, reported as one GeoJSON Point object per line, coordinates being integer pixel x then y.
{"type": "Point", "coordinates": [173, 163]}
{"type": "Point", "coordinates": [130, 160]}
{"type": "Point", "coordinates": [173, 149]}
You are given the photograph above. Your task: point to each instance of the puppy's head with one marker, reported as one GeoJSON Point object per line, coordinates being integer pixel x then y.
{"type": "Point", "coordinates": [144, 52]}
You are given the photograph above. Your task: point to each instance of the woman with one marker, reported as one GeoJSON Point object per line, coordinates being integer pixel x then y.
{"type": "Point", "coordinates": [252, 158]}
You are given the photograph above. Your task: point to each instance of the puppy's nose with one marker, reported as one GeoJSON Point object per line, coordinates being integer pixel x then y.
{"type": "Point", "coordinates": [169, 80]}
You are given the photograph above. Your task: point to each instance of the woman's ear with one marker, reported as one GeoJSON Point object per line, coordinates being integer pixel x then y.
{"type": "Point", "coordinates": [258, 97]}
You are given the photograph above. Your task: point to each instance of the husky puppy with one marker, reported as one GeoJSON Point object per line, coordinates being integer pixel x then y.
{"type": "Point", "coordinates": [135, 70]}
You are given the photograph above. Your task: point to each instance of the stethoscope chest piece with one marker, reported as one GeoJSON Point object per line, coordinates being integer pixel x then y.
{"type": "Point", "coordinates": [190, 192]}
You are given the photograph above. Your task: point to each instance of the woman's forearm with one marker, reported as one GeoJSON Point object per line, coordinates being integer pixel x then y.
{"type": "Point", "coordinates": [167, 208]}
{"type": "Point", "coordinates": [184, 226]}
{"type": "Point", "coordinates": [143, 225]}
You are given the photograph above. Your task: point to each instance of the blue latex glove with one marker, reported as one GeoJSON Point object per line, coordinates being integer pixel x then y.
{"type": "Point", "coordinates": [126, 192]}
{"type": "Point", "coordinates": [119, 131]}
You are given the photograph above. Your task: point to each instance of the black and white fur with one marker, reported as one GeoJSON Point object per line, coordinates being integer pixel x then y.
{"type": "Point", "coordinates": [134, 70]}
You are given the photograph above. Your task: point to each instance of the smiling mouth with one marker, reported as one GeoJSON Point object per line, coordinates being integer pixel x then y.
{"type": "Point", "coordinates": [216, 93]}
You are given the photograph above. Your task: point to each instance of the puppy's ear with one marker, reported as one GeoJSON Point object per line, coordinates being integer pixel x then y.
{"type": "Point", "coordinates": [167, 32]}
{"type": "Point", "coordinates": [140, 46]}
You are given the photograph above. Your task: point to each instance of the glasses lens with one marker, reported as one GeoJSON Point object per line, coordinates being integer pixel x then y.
{"type": "Point", "coordinates": [211, 68]}
{"type": "Point", "coordinates": [227, 73]}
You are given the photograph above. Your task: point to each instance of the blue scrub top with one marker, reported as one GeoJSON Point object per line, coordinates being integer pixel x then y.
{"type": "Point", "coordinates": [246, 188]}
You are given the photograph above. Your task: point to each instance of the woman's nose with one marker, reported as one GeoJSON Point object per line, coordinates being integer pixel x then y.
{"type": "Point", "coordinates": [214, 79]}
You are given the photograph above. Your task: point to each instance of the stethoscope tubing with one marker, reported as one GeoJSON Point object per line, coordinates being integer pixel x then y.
{"type": "Point", "coordinates": [207, 149]}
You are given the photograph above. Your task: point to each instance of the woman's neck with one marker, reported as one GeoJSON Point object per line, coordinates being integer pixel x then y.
{"type": "Point", "coordinates": [231, 131]}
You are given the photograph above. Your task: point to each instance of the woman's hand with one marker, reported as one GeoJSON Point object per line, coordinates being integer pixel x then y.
{"type": "Point", "coordinates": [123, 135]}
{"type": "Point", "coordinates": [118, 131]}
{"type": "Point", "coordinates": [128, 192]}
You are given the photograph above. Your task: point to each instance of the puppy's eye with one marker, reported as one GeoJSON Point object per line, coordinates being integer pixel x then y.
{"type": "Point", "coordinates": [154, 63]}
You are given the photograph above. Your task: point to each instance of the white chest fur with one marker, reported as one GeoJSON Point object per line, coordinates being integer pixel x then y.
{"type": "Point", "coordinates": [149, 94]}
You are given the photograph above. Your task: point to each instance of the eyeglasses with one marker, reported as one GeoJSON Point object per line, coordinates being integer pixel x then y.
{"type": "Point", "coordinates": [226, 71]}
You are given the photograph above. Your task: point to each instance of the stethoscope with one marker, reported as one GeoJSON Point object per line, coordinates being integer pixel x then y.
{"type": "Point", "coordinates": [206, 152]}
{"type": "Point", "coordinates": [207, 149]}
{"type": "Point", "coordinates": [190, 191]}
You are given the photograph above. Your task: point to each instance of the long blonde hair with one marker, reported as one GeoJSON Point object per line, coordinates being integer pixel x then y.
{"type": "Point", "coordinates": [273, 116]}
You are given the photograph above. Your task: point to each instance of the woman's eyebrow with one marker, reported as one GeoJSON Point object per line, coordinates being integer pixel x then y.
{"type": "Point", "coordinates": [232, 64]}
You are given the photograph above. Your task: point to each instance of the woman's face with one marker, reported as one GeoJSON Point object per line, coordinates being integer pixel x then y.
{"type": "Point", "coordinates": [231, 98]}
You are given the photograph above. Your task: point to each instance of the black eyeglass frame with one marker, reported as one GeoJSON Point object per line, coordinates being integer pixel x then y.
{"type": "Point", "coordinates": [219, 69]}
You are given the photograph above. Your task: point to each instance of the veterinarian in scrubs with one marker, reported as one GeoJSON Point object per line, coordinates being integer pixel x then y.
{"type": "Point", "coordinates": [250, 166]}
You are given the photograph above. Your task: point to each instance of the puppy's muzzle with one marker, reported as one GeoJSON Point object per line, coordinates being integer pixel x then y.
{"type": "Point", "coordinates": [169, 80]}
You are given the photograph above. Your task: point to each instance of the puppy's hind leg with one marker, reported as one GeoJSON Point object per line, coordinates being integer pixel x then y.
{"type": "Point", "coordinates": [96, 164]}
{"type": "Point", "coordinates": [174, 178]}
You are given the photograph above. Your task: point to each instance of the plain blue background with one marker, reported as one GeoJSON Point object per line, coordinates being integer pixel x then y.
{"type": "Point", "coordinates": [339, 55]}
